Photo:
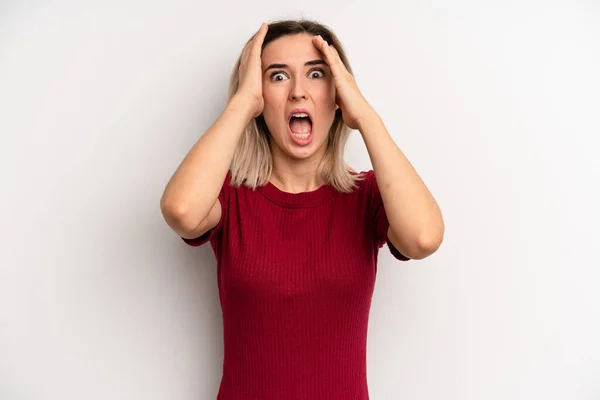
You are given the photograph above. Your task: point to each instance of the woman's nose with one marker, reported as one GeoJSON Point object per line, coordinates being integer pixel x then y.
{"type": "Point", "coordinates": [297, 91]}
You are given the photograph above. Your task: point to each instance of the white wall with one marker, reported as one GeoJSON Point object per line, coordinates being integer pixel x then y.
{"type": "Point", "coordinates": [495, 103]}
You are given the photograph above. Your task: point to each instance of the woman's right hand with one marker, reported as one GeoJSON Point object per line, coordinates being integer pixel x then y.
{"type": "Point", "coordinates": [250, 74]}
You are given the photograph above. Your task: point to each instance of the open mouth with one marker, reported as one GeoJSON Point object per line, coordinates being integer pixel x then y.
{"type": "Point", "coordinates": [300, 125]}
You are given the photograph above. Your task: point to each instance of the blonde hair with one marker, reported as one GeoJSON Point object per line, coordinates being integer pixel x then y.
{"type": "Point", "coordinates": [252, 162]}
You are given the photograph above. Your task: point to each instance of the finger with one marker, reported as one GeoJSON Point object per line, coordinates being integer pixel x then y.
{"type": "Point", "coordinates": [326, 49]}
{"type": "Point", "coordinates": [338, 58]}
{"type": "Point", "coordinates": [245, 52]}
{"type": "Point", "coordinates": [250, 44]}
{"type": "Point", "coordinates": [259, 39]}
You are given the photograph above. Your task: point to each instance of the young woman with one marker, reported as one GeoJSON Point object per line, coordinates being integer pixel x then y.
{"type": "Point", "coordinates": [295, 231]}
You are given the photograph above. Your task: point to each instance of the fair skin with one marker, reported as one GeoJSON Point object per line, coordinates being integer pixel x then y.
{"type": "Point", "coordinates": [190, 203]}
{"type": "Point", "coordinates": [289, 83]}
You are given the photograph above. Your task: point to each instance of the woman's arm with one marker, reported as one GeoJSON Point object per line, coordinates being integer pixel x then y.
{"type": "Point", "coordinates": [416, 223]}
{"type": "Point", "coordinates": [190, 201]}
{"type": "Point", "coordinates": [193, 189]}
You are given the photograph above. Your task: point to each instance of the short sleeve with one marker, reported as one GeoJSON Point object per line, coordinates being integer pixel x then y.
{"type": "Point", "coordinates": [379, 217]}
{"type": "Point", "coordinates": [215, 232]}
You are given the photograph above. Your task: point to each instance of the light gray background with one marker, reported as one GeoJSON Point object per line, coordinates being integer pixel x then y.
{"type": "Point", "coordinates": [495, 103]}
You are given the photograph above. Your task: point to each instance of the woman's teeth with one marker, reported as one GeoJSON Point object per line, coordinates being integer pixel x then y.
{"type": "Point", "coordinates": [302, 135]}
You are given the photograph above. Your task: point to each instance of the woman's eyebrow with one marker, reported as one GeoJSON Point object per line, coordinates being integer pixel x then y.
{"type": "Point", "coordinates": [308, 63]}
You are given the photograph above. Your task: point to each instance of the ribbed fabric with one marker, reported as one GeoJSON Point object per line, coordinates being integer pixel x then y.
{"type": "Point", "coordinates": [296, 274]}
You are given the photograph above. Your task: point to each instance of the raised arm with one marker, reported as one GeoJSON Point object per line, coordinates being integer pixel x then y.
{"type": "Point", "coordinates": [190, 203]}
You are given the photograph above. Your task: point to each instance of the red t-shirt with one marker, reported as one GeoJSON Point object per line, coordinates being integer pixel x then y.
{"type": "Point", "coordinates": [295, 275]}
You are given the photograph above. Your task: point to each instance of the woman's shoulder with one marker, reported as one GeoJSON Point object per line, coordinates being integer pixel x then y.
{"type": "Point", "coordinates": [364, 173]}
{"type": "Point", "coordinates": [363, 178]}
{"type": "Point", "coordinates": [353, 171]}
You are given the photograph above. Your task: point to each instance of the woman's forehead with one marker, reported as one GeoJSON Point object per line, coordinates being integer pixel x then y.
{"type": "Point", "coordinates": [293, 50]}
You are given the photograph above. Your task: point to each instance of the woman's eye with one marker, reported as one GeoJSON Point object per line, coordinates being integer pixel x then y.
{"type": "Point", "coordinates": [279, 76]}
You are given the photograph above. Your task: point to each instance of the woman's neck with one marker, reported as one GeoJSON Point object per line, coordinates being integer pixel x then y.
{"type": "Point", "coordinates": [296, 176]}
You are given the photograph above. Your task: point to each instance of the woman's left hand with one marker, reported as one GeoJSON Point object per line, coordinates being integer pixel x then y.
{"type": "Point", "coordinates": [348, 97]}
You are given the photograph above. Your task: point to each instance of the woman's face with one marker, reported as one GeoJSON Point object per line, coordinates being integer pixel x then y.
{"type": "Point", "coordinates": [296, 80]}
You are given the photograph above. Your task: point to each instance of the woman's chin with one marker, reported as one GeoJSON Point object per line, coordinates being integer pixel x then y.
{"type": "Point", "coordinates": [305, 151]}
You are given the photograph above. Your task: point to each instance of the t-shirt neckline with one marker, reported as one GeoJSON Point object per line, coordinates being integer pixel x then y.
{"type": "Point", "coordinates": [297, 200]}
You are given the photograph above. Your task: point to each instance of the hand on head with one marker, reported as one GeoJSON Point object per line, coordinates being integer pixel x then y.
{"type": "Point", "coordinates": [250, 74]}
